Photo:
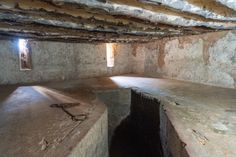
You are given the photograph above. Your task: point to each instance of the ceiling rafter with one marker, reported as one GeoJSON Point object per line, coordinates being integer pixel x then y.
{"type": "Point", "coordinates": [185, 6]}
{"type": "Point", "coordinates": [144, 14]}
{"type": "Point", "coordinates": [112, 20]}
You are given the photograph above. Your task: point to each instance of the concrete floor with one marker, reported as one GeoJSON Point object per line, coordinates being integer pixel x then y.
{"type": "Point", "coordinates": [203, 117]}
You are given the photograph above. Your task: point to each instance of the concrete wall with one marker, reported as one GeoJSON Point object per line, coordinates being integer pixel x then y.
{"type": "Point", "coordinates": [208, 59]}
{"type": "Point", "coordinates": [60, 61]}
{"type": "Point", "coordinates": [95, 142]}
{"type": "Point", "coordinates": [118, 104]}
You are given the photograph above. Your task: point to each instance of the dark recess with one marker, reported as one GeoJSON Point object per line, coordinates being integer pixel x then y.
{"type": "Point", "coordinates": [139, 134]}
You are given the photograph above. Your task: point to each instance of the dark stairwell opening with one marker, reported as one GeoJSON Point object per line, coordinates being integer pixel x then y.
{"type": "Point", "coordinates": [138, 135]}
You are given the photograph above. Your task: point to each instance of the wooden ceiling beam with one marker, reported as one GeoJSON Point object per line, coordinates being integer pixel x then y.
{"type": "Point", "coordinates": [109, 20]}
{"type": "Point", "coordinates": [184, 6]}
{"type": "Point", "coordinates": [144, 14]}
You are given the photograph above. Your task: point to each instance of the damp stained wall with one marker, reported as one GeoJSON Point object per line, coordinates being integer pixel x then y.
{"type": "Point", "coordinates": [60, 61]}
{"type": "Point", "coordinates": [207, 59]}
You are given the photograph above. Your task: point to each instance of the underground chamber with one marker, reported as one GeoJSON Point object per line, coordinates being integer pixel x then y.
{"type": "Point", "coordinates": [137, 132]}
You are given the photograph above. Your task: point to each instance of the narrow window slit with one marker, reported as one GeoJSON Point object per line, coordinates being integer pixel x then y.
{"type": "Point", "coordinates": [110, 55]}
{"type": "Point", "coordinates": [24, 54]}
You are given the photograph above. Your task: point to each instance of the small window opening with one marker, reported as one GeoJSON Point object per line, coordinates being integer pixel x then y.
{"type": "Point", "coordinates": [24, 55]}
{"type": "Point", "coordinates": [110, 55]}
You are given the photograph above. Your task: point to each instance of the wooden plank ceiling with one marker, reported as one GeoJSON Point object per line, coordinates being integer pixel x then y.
{"type": "Point", "coordinates": [113, 20]}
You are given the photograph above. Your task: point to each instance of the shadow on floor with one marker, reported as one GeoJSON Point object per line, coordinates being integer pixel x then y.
{"type": "Point", "coordinates": [128, 142]}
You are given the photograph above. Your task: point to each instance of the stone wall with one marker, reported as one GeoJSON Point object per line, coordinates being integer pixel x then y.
{"type": "Point", "coordinates": [95, 142]}
{"type": "Point", "coordinates": [208, 59]}
{"type": "Point", "coordinates": [60, 61]}
{"type": "Point", "coordinates": [118, 104]}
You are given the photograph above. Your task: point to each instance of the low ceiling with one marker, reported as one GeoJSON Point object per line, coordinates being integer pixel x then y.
{"type": "Point", "coordinates": [113, 20]}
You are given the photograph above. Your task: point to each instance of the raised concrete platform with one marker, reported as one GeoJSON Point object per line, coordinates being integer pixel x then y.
{"type": "Point", "coordinates": [196, 120]}
{"type": "Point", "coordinates": [32, 126]}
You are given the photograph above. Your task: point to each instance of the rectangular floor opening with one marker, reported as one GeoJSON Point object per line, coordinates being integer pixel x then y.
{"type": "Point", "coordinates": [135, 133]}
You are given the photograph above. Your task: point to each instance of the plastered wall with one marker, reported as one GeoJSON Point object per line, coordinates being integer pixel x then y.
{"type": "Point", "coordinates": [60, 61]}
{"type": "Point", "coordinates": [208, 59]}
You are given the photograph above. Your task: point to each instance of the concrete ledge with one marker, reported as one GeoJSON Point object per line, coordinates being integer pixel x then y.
{"type": "Point", "coordinates": [195, 120]}
{"type": "Point", "coordinates": [30, 126]}
{"type": "Point", "coordinates": [95, 142]}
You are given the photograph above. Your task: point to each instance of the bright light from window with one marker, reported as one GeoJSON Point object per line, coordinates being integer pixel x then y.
{"type": "Point", "coordinates": [110, 55]}
{"type": "Point", "coordinates": [22, 44]}
{"type": "Point", "coordinates": [24, 55]}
